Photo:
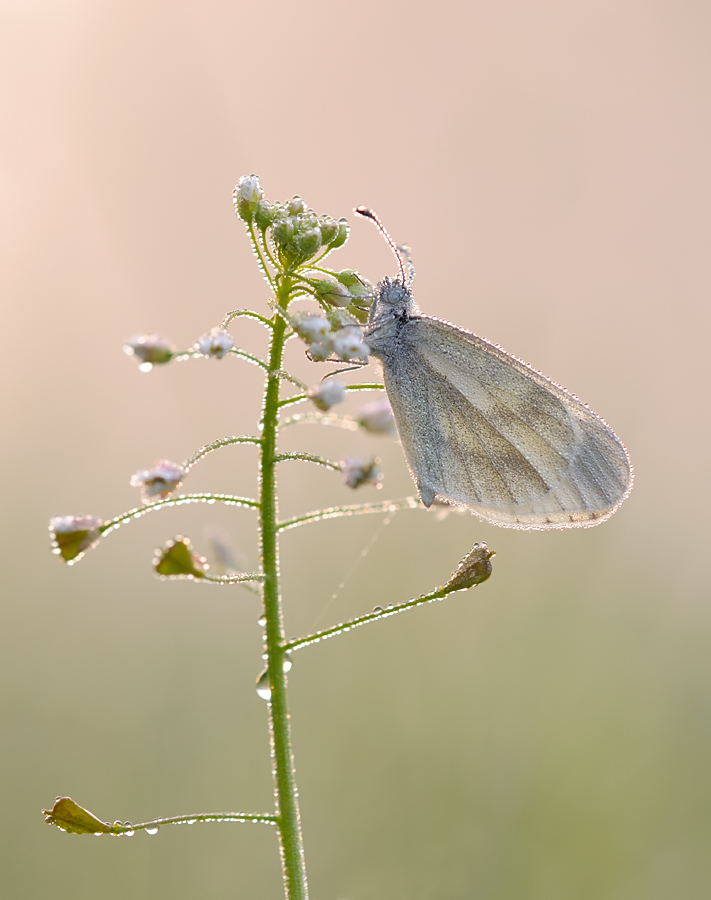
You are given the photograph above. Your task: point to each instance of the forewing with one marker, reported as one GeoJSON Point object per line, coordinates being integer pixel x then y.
{"type": "Point", "coordinates": [482, 429]}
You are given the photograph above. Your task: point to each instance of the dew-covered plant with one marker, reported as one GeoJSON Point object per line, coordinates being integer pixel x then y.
{"type": "Point", "coordinates": [291, 244]}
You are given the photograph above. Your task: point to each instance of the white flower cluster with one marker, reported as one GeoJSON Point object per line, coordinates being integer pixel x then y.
{"type": "Point", "coordinates": [160, 481]}
{"type": "Point", "coordinates": [216, 343]}
{"type": "Point", "coordinates": [346, 343]}
{"type": "Point", "coordinates": [327, 394]}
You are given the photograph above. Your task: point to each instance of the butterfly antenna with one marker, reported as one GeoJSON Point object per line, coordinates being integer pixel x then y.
{"type": "Point", "coordinates": [369, 214]}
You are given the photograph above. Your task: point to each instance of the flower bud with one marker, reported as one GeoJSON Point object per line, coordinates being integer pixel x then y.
{"type": "Point", "coordinates": [264, 214]}
{"type": "Point", "coordinates": [283, 233]}
{"type": "Point", "coordinates": [160, 481]}
{"type": "Point", "coordinates": [357, 472]}
{"type": "Point", "coordinates": [295, 206]}
{"type": "Point", "coordinates": [377, 417]}
{"type": "Point", "coordinates": [331, 291]}
{"type": "Point", "coordinates": [247, 193]}
{"type": "Point", "coordinates": [473, 569]}
{"type": "Point", "coordinates": [216, 343]}
{"type": "Point", "coordinates": [341, 318]}
{"type": "Point", "coordinates": [327, 394]}
{"type": "Point", "coordinates": [307, 243]}
{"type": "Point", "coordinates": [348, 344]}
{"type": "Point", "coordinates": [177, 560]}
{"type": "Point", "coordinates": [329, 229]}
{"type": "Point", "coordinates": [150, 349]}
{"type": "Point", "coordinates": [72, 536]}
{"type": "Point", "coordinates": [342, 236]}
{"type": "Point", "coordinates": [357, 285]}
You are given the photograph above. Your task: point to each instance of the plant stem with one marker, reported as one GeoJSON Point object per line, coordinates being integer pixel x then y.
{"type": "Point", "coordinates": [287, 808]}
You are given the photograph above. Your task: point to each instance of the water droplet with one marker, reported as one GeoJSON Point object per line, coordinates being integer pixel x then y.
{"type": "Point", "coordinates": [192, 821]}
{"type": "Point", "coordinates": [153, 830]}
{"type": "Point", "coordinates": [378, 609]}
{"type": "Point", "coordinates": [287, 662]}
{"type": "Point", "coordinates": [145, 367]}
{"type": "Point", "coordinates": [264, 689]}
{"type": "Point", "coordinates": [262, 620]}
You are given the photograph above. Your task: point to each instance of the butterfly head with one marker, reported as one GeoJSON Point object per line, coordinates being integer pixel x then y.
{"type": "Point", "coordinates": [394, 300]}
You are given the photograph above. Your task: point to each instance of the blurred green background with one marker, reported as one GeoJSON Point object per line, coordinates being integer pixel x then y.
{"type": "Point", "coordinates": [546, 736]}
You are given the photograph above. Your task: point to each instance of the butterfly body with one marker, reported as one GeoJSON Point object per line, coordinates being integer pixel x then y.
{"type": "Point", "coordinates": [482, 429]}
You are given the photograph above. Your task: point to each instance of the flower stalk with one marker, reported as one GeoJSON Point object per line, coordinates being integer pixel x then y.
{"type": "Point", "coordinates": [288, 239]}
{"type": "Point", "coordinates": [286, 796]}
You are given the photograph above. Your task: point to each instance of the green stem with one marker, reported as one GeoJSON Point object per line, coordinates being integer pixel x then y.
{"type": "Point", "coordinates": [246, 312]}
{"type": "Point", "coordinates": [257, 818]}
{"type": "Point", "coordinates": [177, 500]}
{"type": "Point", "coordinates": [359, 509]}
{"type": "Point", "coordinates": [299, 398]}
{"type": "Point", "coordinates": [309, 457]}
{"type": "Point", "coordinates": [379, 613]}
{"type": "Point", "coordinates": [217, 445]}
{"type": "Point", "coordinates": [287, 808]}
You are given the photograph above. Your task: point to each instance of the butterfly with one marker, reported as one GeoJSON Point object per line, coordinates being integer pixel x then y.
{"type": "Point", "coordinates": [482, 429]}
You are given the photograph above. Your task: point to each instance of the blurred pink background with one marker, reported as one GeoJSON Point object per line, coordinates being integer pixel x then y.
{"type": "Point", "coordinates": [545, 736]}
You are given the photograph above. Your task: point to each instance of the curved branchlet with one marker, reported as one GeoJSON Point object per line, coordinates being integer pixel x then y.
{"type": "Point", "coordinates": [309, 457]}
{"type": "Point", "coordinates": [348, 423]}
{"type": "Point", "coordinates": [300, 398]}
{"type": "Point", "coordinates": [357, 509]}
{"type": "Point", "coordinates": [250, 313]}
{"type": "Point", "coordinates": [217, 445]}
{"type": "Point", "coordinates": [70, 817]}
{"type": "Point", "coordinates": [474, 569]}
{"type": "Point", "coordinates": [179, 500]}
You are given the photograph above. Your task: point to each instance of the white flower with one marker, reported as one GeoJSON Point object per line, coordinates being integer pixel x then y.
{"type": "Point", "coordinates": [320, 352]}
{"type": "Point", "coordinates": [377, 417]}
{"type": "Point", "coordinates": [357, 472]}
{"type": "Point", "coordinates": [348, 344]}
{"type": "Point", "coordinates": [216, 343]}
{"type": "Point", "coordinates": [310, 326]}
{"type": "Point", "coordinates": [328, 393]}
{"type": "Point", "coordinates": [72, 536]}
{"type": "Point", "coordinates": [150, 349]}
{"type": "Point", "coordinates": [160, 481]}
{"type": "Point", "coordinates": [248, 189]}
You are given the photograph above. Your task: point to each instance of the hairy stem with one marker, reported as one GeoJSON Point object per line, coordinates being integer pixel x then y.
{"type": "Point", "coordinates": [287, 808]}
{"type": "Point", "coordinates": [378, 613]}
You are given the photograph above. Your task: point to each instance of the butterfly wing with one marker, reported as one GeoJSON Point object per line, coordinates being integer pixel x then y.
{"type": "Point", "coordinates": [483, 429]}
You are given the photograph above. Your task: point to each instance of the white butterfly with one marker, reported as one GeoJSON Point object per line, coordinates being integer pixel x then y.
{"type": "Point", "coordinates": [482, 429]}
